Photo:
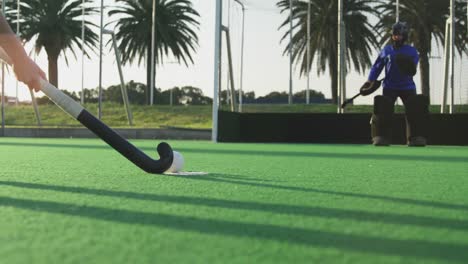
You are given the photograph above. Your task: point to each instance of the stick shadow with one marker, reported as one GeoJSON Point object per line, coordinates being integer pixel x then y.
{"type": "Point", "coordinates": [223, 179]}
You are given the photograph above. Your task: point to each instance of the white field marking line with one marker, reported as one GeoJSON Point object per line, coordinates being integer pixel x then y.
{"type": "Point", "coordinates": [186, 173]}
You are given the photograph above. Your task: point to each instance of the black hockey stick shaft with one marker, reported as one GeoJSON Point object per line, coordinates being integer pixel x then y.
{"type": "Point", "coordinates": [108, 135]}
{"type": "Point", "coordinates": [349, 100]}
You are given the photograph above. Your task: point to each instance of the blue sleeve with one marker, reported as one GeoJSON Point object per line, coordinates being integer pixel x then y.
{"type": "Point", "coordinates": [378, 66]}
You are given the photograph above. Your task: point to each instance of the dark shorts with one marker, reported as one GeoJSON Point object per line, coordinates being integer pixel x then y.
{"type": "Point", "coordinates": [403, 94]}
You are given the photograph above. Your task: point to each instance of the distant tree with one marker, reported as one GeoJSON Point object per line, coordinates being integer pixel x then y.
{"type": "Point", "coordinates": [273, 97]}
{"type": "Point", "coordinates": [223, 97]}
{"type": "Point", "coordinates": [282, 97]}
{"type": "Point", "coordinates": [136, 92]}
{"type": "Point", "coordinates": [248, 95]}
{"type": "Point", "coordinates": [165, 97]}
{"type": "Point", "coordinates": [187, 95]}
{"type": "Point", "coordinates": [314, 96]}
{"type": "Point", "coordinates": [73, 95]}
{"type": "Point", "coordinates": [113, 93]}
{"type": "Point", "coordinates": [90, 95]}
{"type": "Point", "coordinates": [194, 96]}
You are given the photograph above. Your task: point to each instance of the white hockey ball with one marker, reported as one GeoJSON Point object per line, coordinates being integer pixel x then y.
{"type": "Point", "coordinates": [177, 163]}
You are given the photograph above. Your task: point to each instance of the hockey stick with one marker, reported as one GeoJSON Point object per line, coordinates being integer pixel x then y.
{"type": "Point", "coordinates": [349, 100]}
{"type": "Point", "coordinates": [104, 132]}
{"type": "Point", "coordinates": [363, 92]}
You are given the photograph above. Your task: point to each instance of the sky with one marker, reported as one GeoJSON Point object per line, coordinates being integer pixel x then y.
{"type": "Point", "coordinates": [266, 69]}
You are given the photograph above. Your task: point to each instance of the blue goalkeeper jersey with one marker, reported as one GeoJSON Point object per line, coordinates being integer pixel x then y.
{"type": "Point", "coordinates": [393, 78]}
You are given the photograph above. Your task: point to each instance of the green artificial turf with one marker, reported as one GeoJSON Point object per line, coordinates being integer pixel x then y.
{"type": "Point", "coordinates": [78, 201]}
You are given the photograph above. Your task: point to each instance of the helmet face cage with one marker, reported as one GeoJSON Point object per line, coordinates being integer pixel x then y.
{"type": "Point", "coordinates": [400, 28]}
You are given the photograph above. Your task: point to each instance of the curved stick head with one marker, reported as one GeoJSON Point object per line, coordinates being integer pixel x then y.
{"type": "Point", "coordinates": [370, 87]}
{"type": "Point", "coordinates": [166, 156]}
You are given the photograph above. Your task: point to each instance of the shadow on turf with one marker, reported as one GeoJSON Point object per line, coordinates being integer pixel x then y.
{"type": "Point", "coordinates": [226, 179]}
{"type": "Point", "coordinates": [371, 156]}
{"type": "Point", "coordinates": [284, 234]}
{"type": "Point", "coordinates": [335, 213]}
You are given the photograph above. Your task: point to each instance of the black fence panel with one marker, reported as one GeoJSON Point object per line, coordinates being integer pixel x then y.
{"type": "Point", "coordinates": [444, 129]}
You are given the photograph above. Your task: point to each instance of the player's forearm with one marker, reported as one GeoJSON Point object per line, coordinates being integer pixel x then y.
{"type": "Point", "coordinates": [10, 43]}
{"type": "Point", "coordinates": [375, 72]}
{"type": "Point", "coordinates": [376, 69]}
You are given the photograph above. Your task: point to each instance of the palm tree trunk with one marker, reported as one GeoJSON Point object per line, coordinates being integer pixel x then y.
{"type": "Point", "coordinates": [53, 70]}
{"type": "Point", "coordinates": [333, 68]}
{"type": "Point", "coordinates": [334, 78]}
{"type": "Point", "coordinates": [334, 86]}
{"type": "Point", "coordinates": [148, 75]}
{"type": "Point", "coordinates": [424, 73]}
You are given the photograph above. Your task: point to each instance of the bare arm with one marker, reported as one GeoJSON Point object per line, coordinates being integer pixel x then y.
{"type": "Point", "coordinates": [25, 69]}
{"type": "Point", "coordinates": [10, 43]}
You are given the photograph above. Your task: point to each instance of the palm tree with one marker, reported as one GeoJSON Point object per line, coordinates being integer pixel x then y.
{"type": "Point", "coordinates": [361, 38]}
{"type": "Point", "coordinates": [56, 27]}
{"type": "Point", "coordinates": [175, 23]}
{"type": "Point", "coordinates": [426, 19]}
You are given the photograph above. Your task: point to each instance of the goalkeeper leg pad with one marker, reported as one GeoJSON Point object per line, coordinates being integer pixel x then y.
{"type": "Point", "coordinates": [382, 120]}
{"type": "Point", "coordinates": [417, 120]}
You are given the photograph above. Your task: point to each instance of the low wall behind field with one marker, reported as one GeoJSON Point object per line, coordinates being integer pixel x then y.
{"type": "Point", "coordinates": [444, 129]}
{"type": "Point", "coordinates": [130, 133]}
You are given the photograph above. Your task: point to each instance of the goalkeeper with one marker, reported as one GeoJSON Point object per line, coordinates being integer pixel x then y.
{"type": "Point", "coordinates": [400, 61]}
{"type": "Point", "coordinates": [398, 82]}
